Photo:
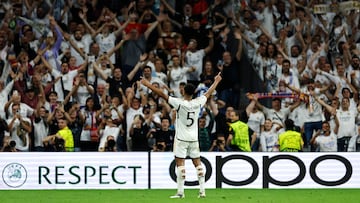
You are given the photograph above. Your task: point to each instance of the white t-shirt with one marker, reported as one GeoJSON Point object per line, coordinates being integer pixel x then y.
{"type": "Point", "coordinates": [186, 123]}
{"type": "Point", "coordinates": [106, 43]}
{"type": "Point", "coordinates": [177, 75]}
{"type": "Point", "coordinates": [67, 80]}
{"type": "Point", "coordinates": [108, 131]}
{"type": "Point", "coordinates": [82, 95]}
{"type": "Point", "coordinates": [162, 77]}
{"type": "Point", "coordinates": [316, 114]}
{"type": "Point", "coordinates": [25, 110]}
{"type": "Point", "coordinates": [255, 121]}
{"type": "Point", "coordinates": [14, 133]}
{"type": "Point", "coordinates": [278, 117]}
{"type": "Point", "coordinates": [269, 141]}
{"type": "Point", "coordinates": [259, 62]}
{"type": "Point", "coordinates": [194, 59]}
{"type": "Point", "coordinates": [347, 127]}
{"type": "Point", "coordinates": [251, 51]}
{"type": "Point", "coordinates": [327, 143]}
{"type": "Point", "coordinates": [74, 53]}
{"type": "Point", "coordinates": [130, 115]}
{"type": "Point", "coordinates": [267, 20]}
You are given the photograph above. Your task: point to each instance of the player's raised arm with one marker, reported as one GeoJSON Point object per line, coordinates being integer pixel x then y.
{"type": "Point", "coordinates": [154, 89]}
{"type": "Point", "coordinates": [212, 88]}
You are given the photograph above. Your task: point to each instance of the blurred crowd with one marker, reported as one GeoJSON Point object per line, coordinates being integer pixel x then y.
{"type": "Point", "coordinates": [70, 70]}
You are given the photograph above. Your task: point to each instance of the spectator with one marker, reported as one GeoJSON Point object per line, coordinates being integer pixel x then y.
{"type": "Point", "coordinates": [311, 112]}
{"type": "Point", "coordinates": [90, 124]}
{"type": "Point", "coordinates": [326, 139]}
{"type": "Point", "coordinates": [19, 128]}
{"type": "Point", "coordinates": [277, 114]}
{"type": "Point", "coordinates": [347, 133]}
{"type": "Point", "coordinates": [229, 89]}
{"type": "Point", "coordinates": [34, 94]}
{"type": "Point", "coordinates": [163, 136]}
{"type": "Point", "coordinates": [269, 138]}
{"type": "Point", "coordinates": [139, 133]}
{"type": "Point", "coordinates": [64, 80]}
{"type": "Point", "coordinates": [75, 124]}
{"type": "Point", "coordinates": [194, 58]}
{"type": "Point", "coordinates": [109, 134]}
{"type": "Point", "coordinates": [118, 80]}
{"type": "Point", "coordinates": [177, 74]}
{"type": "Point", "coordinates": [40, 127]}
{"type": "Point", "coordinates": [24, 109]}
{"type": "Point", "coordinates": [136, 45]}
{"type": "Point", "coordinates": [205, 138]}
{"type": "Point", "coordinates": [134, 108]}
{"type": "Point", "coordinates": [82, 90]}
{"type": "Point", "coordinates": [219, 144]}
{"type": "Point", "coordinates": [208, 74]}
{"type": "Point", "coordinates": [52, 43]}
{"type": "Point", "coordinates": [256, 121]}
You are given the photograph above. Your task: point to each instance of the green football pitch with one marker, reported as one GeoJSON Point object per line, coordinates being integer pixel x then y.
{"type": "Point", "coordinates": [162, 196]}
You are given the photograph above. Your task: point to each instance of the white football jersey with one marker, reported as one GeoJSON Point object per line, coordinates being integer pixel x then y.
{"type": "Point", "coordinates": [187, 114]}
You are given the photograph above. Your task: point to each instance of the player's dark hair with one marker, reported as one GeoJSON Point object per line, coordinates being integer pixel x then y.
{"type": "Point", "coordinates": [189, 89]}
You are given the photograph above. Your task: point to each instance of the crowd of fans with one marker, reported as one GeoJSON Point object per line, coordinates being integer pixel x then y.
{"type": "Point", "coordinates": [70, 70]}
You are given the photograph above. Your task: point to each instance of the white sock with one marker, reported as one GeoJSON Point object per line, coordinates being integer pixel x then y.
{"type": "Point", "coordinates": [201, 178]}
{"type": "Point", "coordinates": [180, 179]}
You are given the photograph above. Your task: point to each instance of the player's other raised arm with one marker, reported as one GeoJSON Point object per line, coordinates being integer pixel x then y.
{"type": "Point", "coordinates": [154, 89]}
{"type": "Point", "coordinates": [212, 88]}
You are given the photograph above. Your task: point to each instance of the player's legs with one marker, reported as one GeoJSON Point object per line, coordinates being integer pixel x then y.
{"type": "Point", "coordinates": [180, 151]}
{"type": "Point", "coordinates": [195, 156]}
{"type": "Point", "coordinates": [201, 176]}
{"type": "Point", "coordinates": [180, 179]}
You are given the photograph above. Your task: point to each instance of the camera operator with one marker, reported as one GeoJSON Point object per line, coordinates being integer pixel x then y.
{"type": "Point", "coordinates": [19, 128]}
{"type": "Point", "coordinates": [54, 143]}
{"type": "Point", "coordinates": [218, 144]}
{"type": "Point", "coordinates": [109, 133]}
{"type": "Point", "coordinates": [164, 136]}
{"type": "Point", "coordinates": [159, 146]}
{"type": "Point", "coordinates": [110, 144]}
{"type": "Point", "coordinates": [9, 147]}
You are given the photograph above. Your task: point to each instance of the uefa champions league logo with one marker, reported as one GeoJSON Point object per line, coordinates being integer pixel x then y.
{"type": "Point", "coordinates": [14, 175]}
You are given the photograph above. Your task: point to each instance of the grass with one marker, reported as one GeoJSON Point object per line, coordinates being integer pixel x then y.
{"type": "Point", "coordinates": [162, 196]}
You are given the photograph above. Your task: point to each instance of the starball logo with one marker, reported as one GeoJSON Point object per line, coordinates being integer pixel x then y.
{"type": "Point", "coordinates": [14, 175]}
